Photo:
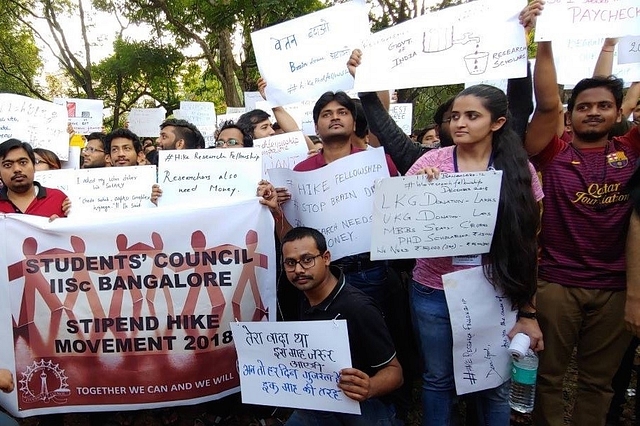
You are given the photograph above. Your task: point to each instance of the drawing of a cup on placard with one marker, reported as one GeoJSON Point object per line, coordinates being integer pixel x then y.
{"type": "Point", "coordinates": [476, 62]}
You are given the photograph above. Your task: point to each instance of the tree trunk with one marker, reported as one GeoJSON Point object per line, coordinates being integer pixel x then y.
{"type": "Point", "coordinates": [227, 69]}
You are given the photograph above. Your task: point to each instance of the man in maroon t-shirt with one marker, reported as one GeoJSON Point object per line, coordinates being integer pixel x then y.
{"type": "Point", "coordinates": [334, 116]}
{"type": "Point", "coordinates": [20, 193]}
{"type": "Point", "coordinates": [581, 288]}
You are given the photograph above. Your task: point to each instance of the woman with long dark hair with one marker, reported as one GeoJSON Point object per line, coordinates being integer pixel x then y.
{"type": "Point", "coordinates": [483, 141]}
{"type": "Point", "coordinates": [46, 160]}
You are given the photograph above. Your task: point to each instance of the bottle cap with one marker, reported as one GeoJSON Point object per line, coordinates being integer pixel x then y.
{"type": "Point", "coordinates": [519, 346]}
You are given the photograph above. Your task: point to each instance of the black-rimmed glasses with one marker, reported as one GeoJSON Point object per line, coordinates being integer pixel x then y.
{"type": "Point", "coordinates": [306, 262]}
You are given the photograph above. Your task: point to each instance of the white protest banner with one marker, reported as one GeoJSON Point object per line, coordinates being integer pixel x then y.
{"type": "Point", "coordinates": [277, 368]}
{"type": "Point", "coordinates": [146, 121]}
{"type": "Point", "coordinates": [209, 135]}
{"type": "Point", "coordinates": [104, 189]}
{"type": "Point", "coordinates": [576, 59]}
{"type": "Point", "coordinates": [629, 50]}
{"type": "Point", "coordinates": [265, 106]}
{"type": "Point", "coordinates": [302, 113]}
{"type": "Point", "coordinates": [500, 84]}
{"type": "Point", "coordinates": [208, 176]}
{"type": "Point", "coordinates": [42, 124]}
{"type": "Point", "coordinates": [305, 57]}
{"type": "Point", "coordinates": [336, 199]}
{"type": "Point", "coordinates": [236, 110]}
{"type": "Point", "coordinates": [227, 117]}
{"type": "Point", "coordinates": [85, 115]}
{"type": "Point", "coordinates": [198, 113]}
{"type": "Point", "coordinates": [454, 215]}
{"type": "Point", "coordinates": [124, 312]}
{"type": "Point", "coordinates": [61, 179]}
{"type": "Point", "coordinates": [282, 151]}
{"type": "Point", "coordinates": [402, 114]}
{"type": "Point", "coordinates": [453, 45]}
{"type": "Point", "coordinates": [562, 19]}
{"type": "Point", "coordinates": [250, 99]}
{"type": "Point", "coordinates": [481, 318]}
{"type": "Point", "coordinates": [176, 113]}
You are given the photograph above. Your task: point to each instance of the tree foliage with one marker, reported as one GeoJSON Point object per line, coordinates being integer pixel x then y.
{"type": "Point", "coordinates": [216, 27]}
{"type": "Point", "coordinates": [137, 72]}
{"type": "Point", "coordinates": [156, 72]}
{"type": "Point", "coordinates": [19, 59]}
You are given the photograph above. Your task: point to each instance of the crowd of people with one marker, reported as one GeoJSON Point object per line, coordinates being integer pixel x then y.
{"type": "Point", "coordinates": [570, 198]}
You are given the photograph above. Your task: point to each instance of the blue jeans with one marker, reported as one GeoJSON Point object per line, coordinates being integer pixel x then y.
{"type": "Point", "coordinates": [432, 326]}
{"type": "Point", "coordinates": [374, 413]}
{"type": "Point", "coordinates": [6, 420]}
{"type": "Point", "coordinates": [372, 282]}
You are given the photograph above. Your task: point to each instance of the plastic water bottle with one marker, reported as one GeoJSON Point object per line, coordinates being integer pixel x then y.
{"type": "Point", "coordinates": [523, 378]}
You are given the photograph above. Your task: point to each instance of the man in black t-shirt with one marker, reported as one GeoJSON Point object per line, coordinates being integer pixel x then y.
{"type": "Point", "coordinates": [376, 371]}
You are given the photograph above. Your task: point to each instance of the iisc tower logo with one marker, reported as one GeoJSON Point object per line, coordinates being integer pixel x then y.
{"type": "Point", "coordinates": [44, 381]}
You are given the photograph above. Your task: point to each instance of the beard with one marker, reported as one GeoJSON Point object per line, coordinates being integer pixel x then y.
{"type": "Point", "coordinates": [590, 136]}
{"type": "Point", "coordinates": [21, 187]}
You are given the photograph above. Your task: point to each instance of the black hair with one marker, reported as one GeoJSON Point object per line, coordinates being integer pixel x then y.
{"type": "Point", "coordinates": [11, 144]}
{"type": "Point", "coordinates": [98, 136]}
{"type": "Point", "coordinates": [247, 138]}
{"type": "Point", "coordinates": [122, 133]}
{"type": "Point", "coordinates": [276, 126]}
{"type": "Point", "coordinates": [153, 157]}
{"type": "Point", "coordinates": [250, 119]}
{"type": "Point", "coordinates": [302, 232]}
{"type": "Point", "coordinates": [424, 131]}
{"type": "Point", "coordinates": [611, 83]}
{"type": "Point", "coordinates": [438, 116]}
{"type": "Point", "coordinates": [512, 265]}
{"type": "Point", "coordinates": [186, 131]}
{"type": "Point", "coordinates": [340, 97]}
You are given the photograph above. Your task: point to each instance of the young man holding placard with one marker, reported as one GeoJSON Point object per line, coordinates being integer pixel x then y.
{"type": "Point", "coordinates": [179, 134]}
{"type": "Point", "coordinates": [328, 295]}
{"type": "Point", "coordinates": [581, 277]}
{"type": "Point", "coordinates": [334, 115]}
{"type": "Point", "coordinates": [123, 148]}
{"type": "Point", "coordinates": [20, 193]}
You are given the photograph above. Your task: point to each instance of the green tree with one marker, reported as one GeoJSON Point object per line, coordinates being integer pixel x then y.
{"type": "Point", "coordinates": [138, 73]}
{"type": "Point", "coordinates": [215, 27]}
{"type": "Point", "coordinates": [19, 59]}
{"type": "Point", "coordinates": [77, 65]}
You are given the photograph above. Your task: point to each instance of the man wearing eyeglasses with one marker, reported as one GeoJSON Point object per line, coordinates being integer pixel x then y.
{"type": "Point", "coordinates": [231, 135]}
{"type": "Point", "coordinates": [123, 148]}
{"type": "Point", "coordinates": [376, 371]}
{"type": "Point", "coordinates": [93, 153]}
